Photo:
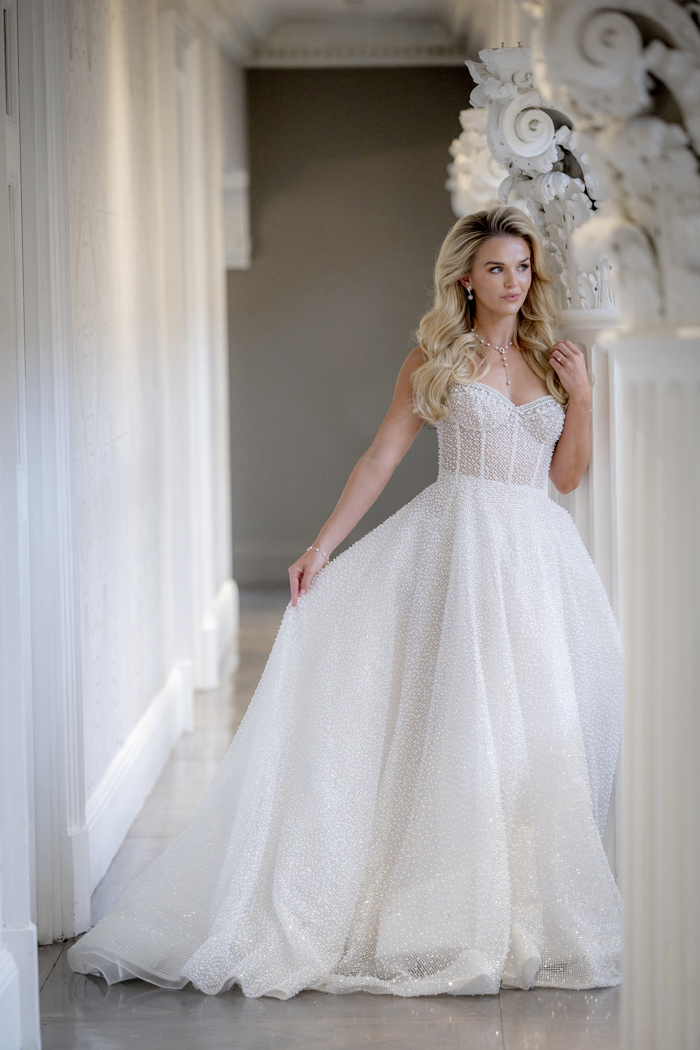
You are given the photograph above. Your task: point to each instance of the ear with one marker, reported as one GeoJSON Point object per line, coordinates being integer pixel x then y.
{"type": "Point", "coordinates": [464, 281]}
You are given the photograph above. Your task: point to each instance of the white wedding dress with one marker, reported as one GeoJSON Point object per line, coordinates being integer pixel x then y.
{"type": "Point", "coordinates": [415, 798]}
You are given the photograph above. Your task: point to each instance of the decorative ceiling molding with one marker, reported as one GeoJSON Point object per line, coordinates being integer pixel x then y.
{"type": "Point", "coordinates": [237, 26]}
{"type": "Point", "coordinates": [360, 41]}
{"type": "Point", "coordinates": [306, 33]}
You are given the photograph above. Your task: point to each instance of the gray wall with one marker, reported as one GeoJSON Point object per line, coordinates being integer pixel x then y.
{"type": "Point", "coordinates": [348, 209]}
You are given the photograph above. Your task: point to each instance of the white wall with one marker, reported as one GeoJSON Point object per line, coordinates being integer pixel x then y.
{"type": "Point", "coordinates": [145, 164]}
{"type": "Point", "coordinates": [116, 597]}
{"type": "Point", "coordinates": [120, 370]}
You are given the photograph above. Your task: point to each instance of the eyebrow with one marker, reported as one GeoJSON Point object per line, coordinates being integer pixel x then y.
{"type": "Point", "coordinates": [493, 263]}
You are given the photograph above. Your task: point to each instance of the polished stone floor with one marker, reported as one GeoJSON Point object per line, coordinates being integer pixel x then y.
{"type": "Point", "coordinates": [82, 1013]}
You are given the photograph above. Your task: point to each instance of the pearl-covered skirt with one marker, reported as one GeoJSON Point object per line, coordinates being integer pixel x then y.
{"type": "Point", "coordinates": [415, 800]}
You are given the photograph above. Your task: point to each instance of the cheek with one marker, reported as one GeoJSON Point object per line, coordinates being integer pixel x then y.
{"type": "Point", "coordinates": [489, 284]}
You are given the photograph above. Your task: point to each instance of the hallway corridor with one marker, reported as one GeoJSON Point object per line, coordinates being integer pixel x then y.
{"type": "Point", "coordinates": [83, 1013]}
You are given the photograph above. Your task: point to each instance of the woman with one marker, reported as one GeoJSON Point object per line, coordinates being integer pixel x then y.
{"type": "Point", "coordinates": [415, 799]}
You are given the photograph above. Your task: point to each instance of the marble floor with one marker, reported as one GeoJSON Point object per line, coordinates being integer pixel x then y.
{"type": "Point", "coordinates": [82, 1013]}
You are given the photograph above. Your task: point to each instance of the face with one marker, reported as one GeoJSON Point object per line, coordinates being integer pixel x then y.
{"type": "Point", "coordinates": [501, 275]}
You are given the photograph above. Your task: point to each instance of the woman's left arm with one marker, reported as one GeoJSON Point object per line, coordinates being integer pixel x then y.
{"type": "Point", "coordinates": [573, 449]}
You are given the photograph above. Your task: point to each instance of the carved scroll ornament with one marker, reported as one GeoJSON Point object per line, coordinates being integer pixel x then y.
{"type": "Point", "coordinates": [630, 76]}
{"type": "Point", "coordinates": [547, 173]}
{"type": "Point", "coordinates": [474, 174]}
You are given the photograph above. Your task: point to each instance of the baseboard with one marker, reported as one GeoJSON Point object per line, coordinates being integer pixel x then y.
{"type": "Point", "coordinates": [9, 1002]}
{"type": "Point", "coordinates": [116, 801]}
{"type": "Point", "coordinates": [227, 617]}
{"type": "Point", "coordinates": [217, 634]}
{"type": "Point", "coordinates": [206, 662]}
{"type": "Point", "coordinates": [22, 944]}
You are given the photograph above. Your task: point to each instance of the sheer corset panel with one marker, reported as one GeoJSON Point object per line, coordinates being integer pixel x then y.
{"type": "Point", "coordinates": [487, 436]}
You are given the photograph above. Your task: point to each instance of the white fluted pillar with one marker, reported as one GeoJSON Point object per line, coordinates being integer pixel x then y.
{"type": "Point", "coordinates": [655, 393]}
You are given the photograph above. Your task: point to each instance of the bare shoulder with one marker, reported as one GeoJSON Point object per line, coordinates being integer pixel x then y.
{"type": "Point", "coordinates": [414, 360]}
{"type": "Point", "coordinates": [402, 404]}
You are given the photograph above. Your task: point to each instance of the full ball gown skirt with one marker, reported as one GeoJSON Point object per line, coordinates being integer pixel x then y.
{"type": "Point", "coordinates": [415, 798]}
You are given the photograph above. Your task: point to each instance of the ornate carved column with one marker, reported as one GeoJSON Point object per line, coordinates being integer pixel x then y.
{"type": "Point", "coordinates": [630, 76]}
{"type": "Point", "coordinates": [549, 175]}
{"type": "Point", "coordinates": [474, 174]}
{"type": "Point", "coordinates": [547, 172]}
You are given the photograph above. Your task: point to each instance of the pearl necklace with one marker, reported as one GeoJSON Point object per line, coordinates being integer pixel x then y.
{"type": "Point", "coordinates": [502, 352]}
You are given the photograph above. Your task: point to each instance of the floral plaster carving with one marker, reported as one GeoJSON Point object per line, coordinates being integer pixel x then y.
{"type": "Point", "coordinates": [474, 174]}
{"type": "Point", "coordinates": [630, 77]}
{"type": "Point", "coordinates": [547, 172]}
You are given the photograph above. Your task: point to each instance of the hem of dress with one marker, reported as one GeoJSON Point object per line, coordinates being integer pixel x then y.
{"type": "Point", "coordinates": [610, 981]}
{"type": "Point", "coordinates": [115, 971]}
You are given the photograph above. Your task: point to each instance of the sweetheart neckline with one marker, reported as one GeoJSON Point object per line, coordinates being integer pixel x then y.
{"type": "Point", "coordinates": [525, 404]}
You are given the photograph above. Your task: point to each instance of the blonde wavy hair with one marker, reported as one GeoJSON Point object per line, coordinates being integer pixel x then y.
{"type": "Point", "coordinates": [446, 336]}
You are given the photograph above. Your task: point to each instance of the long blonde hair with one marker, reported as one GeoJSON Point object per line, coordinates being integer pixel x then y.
{"type": "Point", "coordinates": [446, 336]}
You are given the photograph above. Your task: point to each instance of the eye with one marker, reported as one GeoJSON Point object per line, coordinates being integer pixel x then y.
{"type": "Point", "coordinates": [496, 269]}
{"type": "Point", "coordinates": [524, 266]}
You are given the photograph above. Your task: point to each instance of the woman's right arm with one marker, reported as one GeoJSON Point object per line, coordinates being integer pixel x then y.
{"type": "Point", "coordinates": [369, 477]}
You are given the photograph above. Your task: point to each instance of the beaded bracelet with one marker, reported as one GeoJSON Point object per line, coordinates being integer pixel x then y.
{"type": "Point", "coordinates": [319, 551]}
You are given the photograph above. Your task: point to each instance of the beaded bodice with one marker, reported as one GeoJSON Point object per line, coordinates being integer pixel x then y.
{"type": "Point", "coordinates": [487, 436]}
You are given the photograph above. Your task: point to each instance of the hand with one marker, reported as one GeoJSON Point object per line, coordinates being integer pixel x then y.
{"type": "Point", "coordinates": [570, 365]}
{"type": "Point", "coordinates": [302, 572]}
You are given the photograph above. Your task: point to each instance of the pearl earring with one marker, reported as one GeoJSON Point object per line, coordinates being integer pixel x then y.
{"type": "Point", "coordinates": [469, 294]}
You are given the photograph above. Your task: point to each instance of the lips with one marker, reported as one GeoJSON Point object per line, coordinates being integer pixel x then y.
{"type": "Point", "coordinates": [512, 298]}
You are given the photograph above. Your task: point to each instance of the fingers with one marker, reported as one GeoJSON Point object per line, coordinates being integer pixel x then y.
{"type": "Point", "coordinates": [569, 364]}
{"type": "Point", "coordinates": [556, 359]}
{"type": "Point", "coordinates": [566, 351]}
{"type": "Point", "coordinates": [565, 358]}
{"type": "Point", "coordinates": [294, 573]}
{"type": "Point", "coordinates": [308, 572]}
{"type": "Point", "coordinates": [305, 579]}
{"type": "Point", "coordinates": [301, 573]}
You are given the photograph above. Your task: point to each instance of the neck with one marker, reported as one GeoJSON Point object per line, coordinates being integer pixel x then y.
{"type": "Point", "coordinates": [496, 329]}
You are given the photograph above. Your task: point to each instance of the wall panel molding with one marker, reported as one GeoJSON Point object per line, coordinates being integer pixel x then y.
{"type": "Point", "coordinates": [9, 1001]}
{"type": "Point", "coordinates": [132, 774]}
{"type": "Point", "coordinates": [199, 285]}
{"type": "Point", "coordinates": [19, 1015]}
{"type": "Point", "coordinates": [227, 615]}
{"type": "Point", "coordinates": [63, 902]}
